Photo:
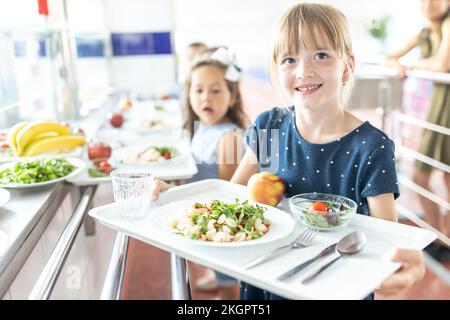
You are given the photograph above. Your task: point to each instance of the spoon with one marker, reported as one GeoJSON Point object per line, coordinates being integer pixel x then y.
{"type": "Point", "coordinates": [352, 243]}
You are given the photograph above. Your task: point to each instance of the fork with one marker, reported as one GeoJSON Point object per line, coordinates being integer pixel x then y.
{"type": "Point", "coordinates": [303, 240]}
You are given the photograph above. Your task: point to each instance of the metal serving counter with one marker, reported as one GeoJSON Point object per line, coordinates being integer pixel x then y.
{"type": "Point", "coordinates": [22, 221]}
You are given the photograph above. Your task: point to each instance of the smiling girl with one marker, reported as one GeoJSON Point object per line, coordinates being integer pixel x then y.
{"type": "Point", "coordinates": [316, 144]}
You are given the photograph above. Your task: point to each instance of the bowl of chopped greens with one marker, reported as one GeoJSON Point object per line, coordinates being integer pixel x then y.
{"type": "Point", "coordinates": [322, 211]}
{"type": "Point", "coordinates": [38, 172]}
{"type": "Point", "coordinates": [224, 222]}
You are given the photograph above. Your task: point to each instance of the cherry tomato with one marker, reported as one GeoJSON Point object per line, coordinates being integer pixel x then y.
{"type": "Point", "coordinates": [105, 167]}
{"type": "Point", "coordinates": [4, 146]}
{"type": "Point", "coordinates": [166, 155]}
{"type": "Point", "coordinates": [319, 206]}
{"type": "Point", "coordinates": [80, 132]}
{"type": "Point", "coordinates": [99, 151]}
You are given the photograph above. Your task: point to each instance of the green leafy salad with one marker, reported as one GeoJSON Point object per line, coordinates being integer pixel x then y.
{"type": "Point", "coordinates": [222, 222]}
{"type": "Point", "coordinates": [41, 170]}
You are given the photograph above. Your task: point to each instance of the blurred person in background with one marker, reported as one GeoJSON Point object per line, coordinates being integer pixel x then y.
{"type": "Point", "coordinates": [434, 44]}
{"type": "Point", "coordinates": [192, 51]}
{"type": "Point", "coordinates": [215, 118]}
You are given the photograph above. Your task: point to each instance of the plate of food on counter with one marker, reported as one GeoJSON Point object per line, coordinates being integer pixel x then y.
{"type": "Point", "coordinates": [150, 154]}
{"type": "Point", "coordinates": [38, 172]}
{"type": "Point", "coordinates": [148, 125]}
{"type": "Point", "coordinates": [223, 222]}
{"type": "Point", "coordinates": [40, 139]}
{"type": "Point", "coordinates": [99, 165]}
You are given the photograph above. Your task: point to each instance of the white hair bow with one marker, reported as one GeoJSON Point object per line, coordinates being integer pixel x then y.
{"type": "Point", "coordinates": [228, 58]}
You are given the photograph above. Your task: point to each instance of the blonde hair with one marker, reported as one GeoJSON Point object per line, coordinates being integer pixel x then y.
{"type": "Point", "coordinates": [235, 112]}
{"type": "Point", "coordinates": [298, 28]}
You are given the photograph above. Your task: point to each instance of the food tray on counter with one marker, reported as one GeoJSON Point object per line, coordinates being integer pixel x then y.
{"type": "Point", "coordinates": [177, 170]}
{"type": "Point", "coordinates": [350, 278]}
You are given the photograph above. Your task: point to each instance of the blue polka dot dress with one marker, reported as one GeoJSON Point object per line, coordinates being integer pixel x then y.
{"type": "Point", "coordinates": [358, 165]}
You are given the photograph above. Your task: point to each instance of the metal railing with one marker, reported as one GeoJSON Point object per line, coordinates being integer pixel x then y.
{"type": "Point", "coordinates": [52, 269]}
{"type": "Point", "coordinates": [388, 112]}
{"type": "Point", "coordinates": [112, 285]}
{"type": "Point", "coordinates": [389, 72]}
{"type": "Point", "coordinates": [180, 278]}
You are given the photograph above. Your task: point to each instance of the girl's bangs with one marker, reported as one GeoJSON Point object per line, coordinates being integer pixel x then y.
{"type": "Point", "coordinates": [308, 35]}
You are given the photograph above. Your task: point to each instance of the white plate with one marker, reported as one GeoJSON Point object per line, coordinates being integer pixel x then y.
{"type": "Point", "coordinates": [135, 125]}
{"type": "Point", "coordinates": [121, 156]}
{"type": "Point", "coordinates": [169, 172]}
{"type": "Point", "coordinates": [4, 196]}
{"type": "Point", "coordinates": [78, 163]}
{"type": "Point", "coordinates": [147, 109]}
{"type": "Point", "coordinates": [282, 225]}
{"type": "Point", "coordinates": [77, 152]}
{"type": "Point", "coordinates": [118, 136]}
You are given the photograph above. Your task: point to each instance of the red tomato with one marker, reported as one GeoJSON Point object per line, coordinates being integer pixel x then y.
{"type": "Point", "coordinates": [116, 120]}
{"type": "Point", "coordinates": [80, 132]}
{"type": "Point", "coordinates": [166, 155]}
{"type": "Point", "coordinates": [105, 167]}
{"type": "Point", "coordinates": [98, 151]}
{"type": "Point", "coordinates": [319, 206]}
{"type": "Point", "coordinates": [4, 146]}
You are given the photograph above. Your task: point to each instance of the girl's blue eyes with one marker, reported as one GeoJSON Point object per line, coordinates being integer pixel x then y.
{"type": "Point", "coordinates": [321, 55]}
{"type": "Point", "coordinates": [288, 61]}
{"type": "Point", "coordinates": [317, 56]}
{"type": "Point", "coordinates": [213, 91]}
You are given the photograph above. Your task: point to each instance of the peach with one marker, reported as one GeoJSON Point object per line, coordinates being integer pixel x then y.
{"type": "Point", "coordinates": [125, 104]}
{"type": "Point", "coordinates": [266, 188]}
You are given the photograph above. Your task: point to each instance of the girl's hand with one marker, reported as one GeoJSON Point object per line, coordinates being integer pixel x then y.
{"type": "Point", "coordinates": [159, 186]}
{"type": "Point", "coordinates": [411, 271]}
{"type": "Point", "coordinates": [401, 71]}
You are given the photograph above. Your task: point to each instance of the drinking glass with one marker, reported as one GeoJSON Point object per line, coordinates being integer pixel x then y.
{"type": "Point", "coordinates": [132, 189]}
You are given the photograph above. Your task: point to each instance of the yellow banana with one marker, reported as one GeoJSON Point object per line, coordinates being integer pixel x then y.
{"type": "Point", "coordinates": [12, 135]}
{"type": "Point", "coordinates": [31, 130]}
{"type": "Point", "coordinates": [45, 135]}
{"type": "Point", "coordinates": [50, 144]}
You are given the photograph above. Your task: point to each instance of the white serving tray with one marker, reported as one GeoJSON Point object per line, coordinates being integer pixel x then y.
{"type": "Point", "coordinates": [176, 170]}
{"type": "Point", "coordinates": [350, 278]}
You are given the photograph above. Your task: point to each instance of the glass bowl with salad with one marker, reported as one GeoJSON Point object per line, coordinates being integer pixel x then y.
{"type": "Point", "coordinates": [322, 211]}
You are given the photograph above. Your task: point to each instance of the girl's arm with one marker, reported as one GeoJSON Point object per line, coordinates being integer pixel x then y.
{"type": "Point", "coordinates": [392, 59]}
{"type": "Point", "coordinates": [440, 62]}
{"type": "Point", "coordinates": [229, 153]}
{"type": "Point", "coordinates": [382, 207]}
{"type": "Point", "coordinates": [248, 167]}
{"type": "Point", "coordinates": [394, 56]}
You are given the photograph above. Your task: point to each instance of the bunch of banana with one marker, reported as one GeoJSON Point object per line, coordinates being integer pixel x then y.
{"type": "Point", "coordinates": [33, 138]}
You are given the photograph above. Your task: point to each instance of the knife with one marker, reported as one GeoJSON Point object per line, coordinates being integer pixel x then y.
{"type": "Point", "coordinates": [328, 250]}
